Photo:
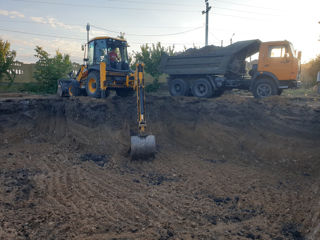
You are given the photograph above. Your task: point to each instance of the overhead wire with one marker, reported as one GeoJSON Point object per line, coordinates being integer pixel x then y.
{"type": "Point", "coordinates": [102, 6]}
{"type": "Point", "coordinates": [65, 37]}
{"type": "Point", "coordinates": [138, 9]}
{"type": "Point", "coordinates": [149, 35]}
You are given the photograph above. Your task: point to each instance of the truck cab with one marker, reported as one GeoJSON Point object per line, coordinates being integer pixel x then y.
{"type": "Point", "coordinates": [278, 62]}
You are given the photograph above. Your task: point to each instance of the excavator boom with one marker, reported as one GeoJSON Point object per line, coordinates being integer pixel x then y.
{"type": "Point", "coordinates": [142, 145]}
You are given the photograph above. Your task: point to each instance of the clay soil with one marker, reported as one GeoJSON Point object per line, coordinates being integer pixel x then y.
{"type": "Point", "coordinates": [226, 168]}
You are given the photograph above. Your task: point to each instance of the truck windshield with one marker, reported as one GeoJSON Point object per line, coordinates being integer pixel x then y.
{"type": "Point", "coordinates": [292, 50]}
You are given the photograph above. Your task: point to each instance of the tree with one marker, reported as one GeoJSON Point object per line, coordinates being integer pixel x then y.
{"type": "Point", "coordinates": [309, 72]}
{"type": "Point", "coordinates": [6, 61]}
{"type": "Point", "coordinates": [49, 69]}
{"type": "Point", "coordinates": [151, 57]}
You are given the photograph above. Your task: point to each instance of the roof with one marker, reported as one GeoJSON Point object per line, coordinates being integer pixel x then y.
{"type": "Point", "coordinates": [105, 37]}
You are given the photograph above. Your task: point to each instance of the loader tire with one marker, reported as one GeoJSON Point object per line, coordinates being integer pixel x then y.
{"type": "Point", "coordinates": [73, 90]}
{"type": "Point", "coordinates": [178, 87]}
{"type": "Point", "coordinates": [202, 88]}
{"type": "Point", "coordinates": [93, 85]}
{"type": "Point", "coordinates": [59, 91]}
{"type": "Point", "coordinates": [264, 87]}
{"type": "Point", "coordinates": [124, 92]}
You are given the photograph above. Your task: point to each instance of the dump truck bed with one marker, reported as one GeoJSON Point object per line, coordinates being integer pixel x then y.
{"type": "Point", "coordinates": [218, 61]}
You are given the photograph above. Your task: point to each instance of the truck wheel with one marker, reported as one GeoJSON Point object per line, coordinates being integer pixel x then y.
{"type": "Point", "coordinates": [264, 88]}
{"type": "Point", "coordinates": [93, 85]}
{"type": "Point", "coordinates": [202, 88]}
{"type": "Point", "coordinates": [178, 87]}
{"type": "Point", "coordinates": [124, 92]}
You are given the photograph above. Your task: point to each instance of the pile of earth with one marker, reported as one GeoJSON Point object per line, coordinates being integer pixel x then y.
{"type": "Point", "coordinates": [207, 50]}
{"type": "Point", "coordinates": [227, 168]}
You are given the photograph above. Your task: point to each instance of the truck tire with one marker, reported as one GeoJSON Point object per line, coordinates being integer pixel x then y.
{"type": "Point", "coordinates": [124, 92]}
{"type": "Point", "coordinates": [93, 85]}
{"type": "Point", "coordinates": [178, 87]}
{"type": "Point", "coordinates": [202, 88]}
{"type": "Point", "coordinates": [264, 87]}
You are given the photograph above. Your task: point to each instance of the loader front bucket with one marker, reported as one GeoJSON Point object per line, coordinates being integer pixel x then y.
{"type": "Point", "coordinates": [143, 147]}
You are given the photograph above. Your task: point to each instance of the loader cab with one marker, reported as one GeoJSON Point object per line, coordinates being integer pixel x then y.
{"type": "Point", "coordinates": [112, 51]}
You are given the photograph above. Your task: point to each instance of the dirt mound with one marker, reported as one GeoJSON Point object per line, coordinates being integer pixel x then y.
{"type": "Point", "coordinates": [196, 52]}
{"type": "Point", "coordinates": [227, 168]}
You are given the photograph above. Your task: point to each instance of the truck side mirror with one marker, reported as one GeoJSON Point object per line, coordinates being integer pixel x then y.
{"type": "Point", "coordinates": [299, 55]}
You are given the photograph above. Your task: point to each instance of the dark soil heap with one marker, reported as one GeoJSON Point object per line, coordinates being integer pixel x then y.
{"type": "Point", "coordinates": [207, 50]}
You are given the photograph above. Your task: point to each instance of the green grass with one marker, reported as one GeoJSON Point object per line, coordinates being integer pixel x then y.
{"type": "Point", "coordinates": [301, 92]}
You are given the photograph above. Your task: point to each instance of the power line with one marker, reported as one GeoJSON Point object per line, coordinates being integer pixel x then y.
{"type": "Point", "coordinates": [155, 3]}
{"type": "Point", "coordinates": [247, 5]}
{"type": "Point", "coordinates": [236, 10]}
{"type": "Point", "coordinates": [132, 8]}
{"type": "Point", "coordinates": [65, 37]}
{"type": "Point", "coordinates": [149, 35]}
{"type": "Point", "coordinates": [101, 6]}
{"type": "Point", "coordinates": [35, 22]}
{"type": "Point", "coordinates": [39, 34]}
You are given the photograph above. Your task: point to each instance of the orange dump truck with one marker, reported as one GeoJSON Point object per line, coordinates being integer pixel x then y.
{"type": "Point", "coordinates": [209, 72]}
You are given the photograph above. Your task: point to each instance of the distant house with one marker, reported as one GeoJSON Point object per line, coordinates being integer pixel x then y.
{"type": "Point", "coordinates": [24, 72]}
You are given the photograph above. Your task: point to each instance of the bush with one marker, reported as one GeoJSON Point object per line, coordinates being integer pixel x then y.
{"type": "Point", "coordinates": [49, 69]}
{"type": "Point", "coordinates": [6, 61]}
{"type": "Point", "coordinates": [153, 87]}
{"type": "Point", "coordinates": [151, 57]}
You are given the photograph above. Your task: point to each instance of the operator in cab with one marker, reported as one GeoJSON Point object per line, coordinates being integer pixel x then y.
{"type": "Point", "coordinates": [113, 56]}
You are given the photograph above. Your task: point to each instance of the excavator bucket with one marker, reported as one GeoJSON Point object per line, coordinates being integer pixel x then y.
{"type": "Point", "coordinates": [143, 147]}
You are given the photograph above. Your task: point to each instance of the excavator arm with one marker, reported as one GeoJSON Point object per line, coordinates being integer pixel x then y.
{"type": "Point", "coordinates": [142, 145]}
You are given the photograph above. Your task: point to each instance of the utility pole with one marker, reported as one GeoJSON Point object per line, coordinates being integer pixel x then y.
{"type": "Point", "coordinates": [208, 8]}
{"type": "Point", "coordinates": [231, 38]}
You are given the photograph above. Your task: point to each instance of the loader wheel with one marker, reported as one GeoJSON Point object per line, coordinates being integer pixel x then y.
{"type": "Point", "coordinates": [202, 88]}
{"type": "Point", "coordinates": [105, 94]}
{"type": "Point", "coordinates": [73, 90]}
{"type": "Point", "coordinates": [93, 85]}
{"type": "Point", "coordinates": [59, 90]}
{"type": "Point", "coordinates": [264, 87]}
{"type": "Point", "coordinates": [178, 87]}
{"type": "Point", "coordinates": [124, 92]}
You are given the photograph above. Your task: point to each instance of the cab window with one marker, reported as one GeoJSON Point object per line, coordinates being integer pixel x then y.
{"type": "Point", "coordinates": [90, 53]}
{"type": "Point", "coordinates": [277, 51]}
{"type": "Point", "coordinates": [100, 50]}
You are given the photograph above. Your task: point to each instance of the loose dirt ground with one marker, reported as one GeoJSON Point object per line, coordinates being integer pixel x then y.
{"type": "Point", "coordinates": [226, 168]}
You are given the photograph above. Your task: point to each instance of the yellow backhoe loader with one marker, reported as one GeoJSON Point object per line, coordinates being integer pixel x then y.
{"type": "Point", "coordinates": [105, 69]}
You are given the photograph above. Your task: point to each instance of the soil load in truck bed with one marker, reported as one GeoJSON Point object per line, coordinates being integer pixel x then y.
{"type": "Point", "coordinates": [227, 168]}
{"type": "Point", "coordinates": [210, 60]}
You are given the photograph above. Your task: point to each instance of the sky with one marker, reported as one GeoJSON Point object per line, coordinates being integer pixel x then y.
{"type": "Point", "coordinates": [61, 25]}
